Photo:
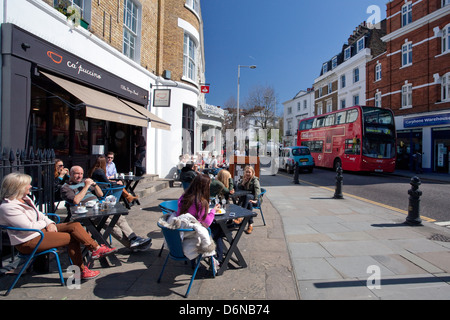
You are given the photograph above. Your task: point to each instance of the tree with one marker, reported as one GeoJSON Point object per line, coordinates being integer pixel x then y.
{"type": "Point", "coordinates": [261, 106]}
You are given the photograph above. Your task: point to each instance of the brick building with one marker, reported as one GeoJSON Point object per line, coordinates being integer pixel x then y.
{"type": "Point", "coordinates": [81, 84]}
{"type": "Point", "coordinates": [412, 78]}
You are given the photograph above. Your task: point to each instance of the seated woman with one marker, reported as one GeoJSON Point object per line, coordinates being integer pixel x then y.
{"type": "Point", "coordinates": [18, 210]}
{"type": "Point", "coordinates": [222, 185]}
{"type": "Point", "coordinates": [195, 200]}
{"type": "Point", "coordinates": [251, 183]}
{"type": "Point", "coordinates": [188, 173]}
{"type": "Point", "coordinates": [61, 175]}
{"type": "Point", "coordinates": [98, 174]}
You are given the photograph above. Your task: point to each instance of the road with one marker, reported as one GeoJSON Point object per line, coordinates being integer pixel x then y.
{"type": "Point", "coordinates": [386, 189]}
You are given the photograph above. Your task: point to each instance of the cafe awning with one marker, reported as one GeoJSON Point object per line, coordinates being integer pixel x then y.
{"type": "Point", "coordinates": [100, 105]}
{"type": "Point", "coordinates": [156, 122]}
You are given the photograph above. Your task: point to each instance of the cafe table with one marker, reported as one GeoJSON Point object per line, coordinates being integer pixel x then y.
{"type": "Point", "coordinates": [233, 211]}
{"type": "Point", "coordinates": [130, 182]}
{"type": "Point", "coordinates": [94, 220]}
{"type": "Point", "coordinates": [238, 193]}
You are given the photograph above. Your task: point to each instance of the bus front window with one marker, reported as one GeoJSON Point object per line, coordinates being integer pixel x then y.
{"type": "Point", "coordinates": [379, 149]}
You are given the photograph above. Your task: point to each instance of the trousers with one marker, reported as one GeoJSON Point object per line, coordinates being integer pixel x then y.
{"type": "Point", "coordinates": [70, 235]}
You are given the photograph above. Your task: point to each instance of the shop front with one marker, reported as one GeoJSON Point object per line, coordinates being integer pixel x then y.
{"type": "Point", "coordinates": [56, 100]}
{"type": "Point", "coordinates": [423, 141]}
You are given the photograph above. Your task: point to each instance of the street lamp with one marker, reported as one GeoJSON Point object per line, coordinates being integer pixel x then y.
{"type": "Point", "coordinates": [239, 76]}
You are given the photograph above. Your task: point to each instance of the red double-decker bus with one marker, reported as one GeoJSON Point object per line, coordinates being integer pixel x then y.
{"type": "Point", "coordinates": [357, 138]}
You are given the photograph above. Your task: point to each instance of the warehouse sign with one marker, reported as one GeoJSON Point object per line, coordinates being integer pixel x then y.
{"type": "Point", "coordinates": [433, 120]}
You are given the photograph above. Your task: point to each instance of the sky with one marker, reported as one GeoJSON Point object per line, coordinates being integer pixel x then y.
{"type": "Point", "coordinates": [288, 41]}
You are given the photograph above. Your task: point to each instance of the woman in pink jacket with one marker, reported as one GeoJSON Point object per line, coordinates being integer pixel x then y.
{"type": "Point", "coordinates": [18, 210]}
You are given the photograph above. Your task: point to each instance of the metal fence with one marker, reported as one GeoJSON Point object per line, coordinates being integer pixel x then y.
{"type": "Point", "coordinates": [40, 166]}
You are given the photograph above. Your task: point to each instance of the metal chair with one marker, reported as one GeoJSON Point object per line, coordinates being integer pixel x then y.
{"type": "Point", "coordinates": [29, 258]}
{"type": "Point", "coordinates": [173, 240]}
{"type": "Point", "coordinates": [114, 191]}
{"type": "Point", "coordinates": [169, 206]}
{"type": "Point", "coordinates": [259, 204]}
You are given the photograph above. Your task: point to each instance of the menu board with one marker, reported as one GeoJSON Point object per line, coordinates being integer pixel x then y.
{"type": "Point", "coordinates": [237, 165]}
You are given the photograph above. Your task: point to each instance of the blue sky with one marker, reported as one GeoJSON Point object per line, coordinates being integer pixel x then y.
{"type": "Point", "coordinates": [288, 40]}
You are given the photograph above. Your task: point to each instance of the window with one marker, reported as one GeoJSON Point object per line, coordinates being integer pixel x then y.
{"type": "Point", "coordinates": [378, 72]}
{"type": "Point", "coordinates": [445, 44]}
{"type": "Point", "coordinates": [320, 92]}
{"type": "Point", "coordinates": [445, 3]}
{"type": "Point", "coordinates": [194, 5]}
{"type": "Point", "coordinates": [407, 54]}
{"type": "Point", "coordinates": [352, 115]}
{"type": "Point", "coordinates": [355, 75]}
{"type": "Point", "coordinates": [329, 105]}
{"type": "Point", "coordinates": [329, 120]}
{"type": "Point", "coordinates": [407, 96]}
{"type": "Point", "coordinates": [330, 87]}
{"type": "Point", "coordinates": [340, 117]}
{"type": "Point", "coordinates": [352, 146]}
{"type": "Point", "coordinates": [324, 68]}
{"type": "Point", "coordinates": [360, 44]}
{"type": "Point", "coordinates": [406, 14]}
{"type": "Point", "coordinates": [342, 103]}
{"type": "Point", "coordinates": [445, 87]}
{"type": "Point", "coordinates": [77, 4]}
{"type": "Point", "coordinates": [378, 99]}
{"type": "Point", "coordinates": [347, 53]}
{"type": "Point", "coordinates": [289, 110]}
{"type": "Point", "coordinates": [356, 100]}
{"type": "Point", "coordinates": [305, 104]}
{"type": "Point", "coordinates": [334, 63]}
{"type": "Point", "coordinates": [319, 108]}
{"type": "Point", "coordinates": [130, 29]}
{"type": "Point", "coordinates": [343, 81]}
{"type": "Point", "coordinates": [189, 58]}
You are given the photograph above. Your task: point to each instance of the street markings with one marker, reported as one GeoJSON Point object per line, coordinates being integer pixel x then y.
{"type": "Point", "coordinates": [369, 201]}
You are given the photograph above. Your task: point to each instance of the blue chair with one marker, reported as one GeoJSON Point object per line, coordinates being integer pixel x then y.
{"type": "Point", "coordinates": [259, 204]}
{"type": "Point", "coordinates": [173, 240]}
{"type": "Point", "coordinates": [169, 206]}
{"type": "Point", "coordinates": [29, 258]}
{"type": "Point", "coordinates": [114, 191]}
{"type": "Point", "coordinates": [185, 184]}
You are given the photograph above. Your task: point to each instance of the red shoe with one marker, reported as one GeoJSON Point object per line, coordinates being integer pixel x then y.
{"type": "Point", "coordinates": [87, 274]}
{"type": "Point", "coordinates": [102, 251]}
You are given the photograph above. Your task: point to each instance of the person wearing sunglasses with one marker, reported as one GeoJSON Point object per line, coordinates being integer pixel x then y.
{"type": "Point", "coordinates": [61, 176]}
{"type": "Point", "coordinates": [111, 170]}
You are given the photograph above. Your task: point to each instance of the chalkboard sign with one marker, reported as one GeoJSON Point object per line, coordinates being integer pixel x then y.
{"type": "Point", "coordinates": [237, 165]}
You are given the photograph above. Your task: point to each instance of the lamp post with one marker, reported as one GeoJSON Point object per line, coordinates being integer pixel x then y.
{"type": "Point", "coordinates": [238, 84]}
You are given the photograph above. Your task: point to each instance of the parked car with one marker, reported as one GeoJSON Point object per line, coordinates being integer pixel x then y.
{"type": "Point", "coordinates": [291, 155]}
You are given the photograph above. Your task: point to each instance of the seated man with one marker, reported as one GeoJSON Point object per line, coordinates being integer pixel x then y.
{"type": "Point", "coordinates": [77, 191]}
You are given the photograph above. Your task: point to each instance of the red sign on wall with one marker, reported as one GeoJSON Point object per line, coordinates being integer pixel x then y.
{"type": "Point", "coordinates": [204, 89]}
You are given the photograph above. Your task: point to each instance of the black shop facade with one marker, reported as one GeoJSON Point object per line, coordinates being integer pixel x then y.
{"type": "Point", "coordinates": [52, 99]}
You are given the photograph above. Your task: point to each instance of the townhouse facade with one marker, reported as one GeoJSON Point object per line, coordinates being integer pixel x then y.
{"type": "Point", "coordinates": [342, 80]}
{"type": "Point", "coordinates": [299, 107]}
{"type": "Point", "coordinates": [412, 78]}
{"type": "Point", "coordinates": [80, 76]}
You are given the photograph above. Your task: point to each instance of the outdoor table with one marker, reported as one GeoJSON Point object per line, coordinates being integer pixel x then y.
{"type": "Point", "coordinates": [130, 183]}
{"type": "Point", "coordinates": [222, 220]}
{"type": "Point", "coordinates": [238, 193]}
{"type": "Point", "coordinates": [95, 219]}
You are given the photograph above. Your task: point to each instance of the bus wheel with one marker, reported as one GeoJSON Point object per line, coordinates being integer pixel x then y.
{"type": "Point", "coordinates": [288, 169]}
{"type": "Point", "coordinates": [337, 164]}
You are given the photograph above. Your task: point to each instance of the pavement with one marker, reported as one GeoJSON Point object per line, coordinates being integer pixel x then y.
{"type": "Point", "coordinates": [314, 247]}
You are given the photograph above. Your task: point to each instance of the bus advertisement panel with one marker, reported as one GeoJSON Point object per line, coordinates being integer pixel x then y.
{"type": "Point", "coordinates": [357, 138]}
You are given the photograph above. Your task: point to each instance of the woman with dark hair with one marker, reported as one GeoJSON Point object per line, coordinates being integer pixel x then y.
{"type": "Point", "coordinates": [195, 200]}
{"type": "Point", "coordinates": [61, 176]}
{"type": "Point", "coordinates": [98, 174]}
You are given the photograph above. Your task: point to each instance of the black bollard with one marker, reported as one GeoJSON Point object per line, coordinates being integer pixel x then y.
{"type": "Point", "coordinates": [339, 179]}
{"type": "Point", "coordinates": [413, 218]}
{"type": "Point", "coordinates": [296, 173]}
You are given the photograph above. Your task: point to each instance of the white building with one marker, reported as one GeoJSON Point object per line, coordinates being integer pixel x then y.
{"type": "Point", "coordinates": [300, 107]}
